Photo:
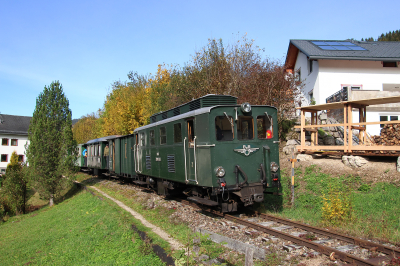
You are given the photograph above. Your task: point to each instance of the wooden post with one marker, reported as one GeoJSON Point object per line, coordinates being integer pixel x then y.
{"type": "Point", "coordinates": [302, 133]}
{"type": "Point", "coordinates": [293, 160]}
{"type": "Point", "coordinates": [345, 128]}
{"type": "Point", "coordinates": [349, 124]}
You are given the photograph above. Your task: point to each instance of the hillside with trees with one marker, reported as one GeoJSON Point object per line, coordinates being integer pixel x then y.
{"type": "Point", "coordinates": [391, 36]}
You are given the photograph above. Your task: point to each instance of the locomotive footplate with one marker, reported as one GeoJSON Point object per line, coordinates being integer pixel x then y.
{"type": "Point", "coordinates": [203, 201]}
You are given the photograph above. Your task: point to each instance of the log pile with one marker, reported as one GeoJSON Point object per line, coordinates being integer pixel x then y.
{"type": "Point", "coordinates": [390, 135]}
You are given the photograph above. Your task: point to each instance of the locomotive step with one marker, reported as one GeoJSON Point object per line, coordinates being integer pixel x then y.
{"type": "Point", "coordinates": [140, 182]}
{"type": "Point", "coordinates": [203, 201]}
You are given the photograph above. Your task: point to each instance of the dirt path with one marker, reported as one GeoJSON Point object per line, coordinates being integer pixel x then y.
{"type": "Point", "coordinates": [174, 244]}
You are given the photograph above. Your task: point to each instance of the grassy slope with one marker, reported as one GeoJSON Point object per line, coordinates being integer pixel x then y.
{"type": "Point", "coordinates": [375, 209]}
{"type": "Point", "coordinates": [82, 230]}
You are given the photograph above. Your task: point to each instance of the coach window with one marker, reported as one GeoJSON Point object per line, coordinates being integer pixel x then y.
{"type": "Point", "coordinates": [224, 128]}
{"type": "Point", "coordinates": [245, 128]}
{"type": "Point", "coordinates": [177, 133]}
{"type": "Point", "coordinates": [4, 142]}
{"type": "Point", "coordinates": [264, 127]}
{"type": "Point", "coordinates": [163, 135]}
{"type": "Point", "coordinates": [152, 138]}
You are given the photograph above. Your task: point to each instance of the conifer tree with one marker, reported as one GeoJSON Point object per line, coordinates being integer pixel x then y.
{"type": "Point", "coordinates": [15, 186]}
{"type": "Point", "coordinates": [52, 150]}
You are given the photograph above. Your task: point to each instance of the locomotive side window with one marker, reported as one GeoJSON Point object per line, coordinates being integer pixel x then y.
{"type": "Point", "coordinates": [264, 127]}
{"type": "Point", "coordinates": [163, 135]}
{"type": "Point", "coordinates": [223, 128]}
{"type": "Point", "coordinates": [190, 131]}
{"type": "Point", "coordinates": [152, 138]}
{"type": "Point", "coordinates": [141, 139]}
{"type": "Point", "coordinates": [245, 128]}
{"type": "Point", "coordinates": [177, 133]}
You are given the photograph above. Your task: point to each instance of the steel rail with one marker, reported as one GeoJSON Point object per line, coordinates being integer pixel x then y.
{"type": "Point", "coordinates": [332, 252]}
{"type": "Point", "coordinates": [357, 241]}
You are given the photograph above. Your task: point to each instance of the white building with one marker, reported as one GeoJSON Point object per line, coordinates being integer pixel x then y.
{"type": "Point", "coordinates": [13, 137]}
{"type": "Point", "coordinates": [348, 70]}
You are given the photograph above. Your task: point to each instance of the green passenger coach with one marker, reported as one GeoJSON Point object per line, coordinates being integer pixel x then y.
{"type": "Point", "coordinates": [213, 150]}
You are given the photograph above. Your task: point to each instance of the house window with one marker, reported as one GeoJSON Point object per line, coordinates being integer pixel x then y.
{"type": "Point", "coordinates": [310, 66]}
{"type": "Point", "coordinates": [4, 158]}
{"type": "Point", "coordinates": [298, 75]}
{"type": "Point", "coordinates": [4, 142]}
{"type": "Point", "coordinates": [177, 132]}
{"type": "Point", "coordinates": [20, 158]}
{"type": "Point", "coordinates": [386, 118]}
{"type": "Point", "coordinates": [14, 142]}
{"type": "Point", "coordinates": [389, 64]}
{"type": "Point", "coordinates": [163, 135]}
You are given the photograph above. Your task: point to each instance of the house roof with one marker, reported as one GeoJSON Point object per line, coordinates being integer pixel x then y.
{"type": "Point", "coordinates": [14, 124]}
{"type": "Point", "coordinates": [374, 51]}
{"type": "Point", "coordinates": [17, 125]}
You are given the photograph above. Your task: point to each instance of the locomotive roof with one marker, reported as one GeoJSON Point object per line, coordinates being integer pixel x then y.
{"type": "Point", "coordinates": [189, 114]}
{"type": "Point", "coordinates": [205, 101]}
{"type": "Point", "coordinates": [102, 139]}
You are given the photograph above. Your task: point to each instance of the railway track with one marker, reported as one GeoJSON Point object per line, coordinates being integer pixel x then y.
{"type": "Point", "coordinates": [319, 245]}
{"type": "Point", "coordinates": [277, 226]}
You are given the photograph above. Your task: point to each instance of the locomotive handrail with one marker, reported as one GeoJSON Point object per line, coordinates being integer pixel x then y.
{"type": "Point", "coordinates": [184, 155]}
{"type": "Point", "coordinates": [205, 145]}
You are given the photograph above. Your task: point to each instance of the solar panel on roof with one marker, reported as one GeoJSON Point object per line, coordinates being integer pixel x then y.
{"type": "Point", "coordinates": [338, 46]}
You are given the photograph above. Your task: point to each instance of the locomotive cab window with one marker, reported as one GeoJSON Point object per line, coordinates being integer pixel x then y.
{"type": "Point", "coordinates": [177, 133]}
{"type": "Point", "coordinates": [190, 127]}
{"type": "Point", "coordinates": [264, 127]}
{"type": "Point", "coordinates": [163, 135]}
{"type": "Point", "coordinates": [224, 128]}
{"type": "Point", "coordinates": [245, 128]}
{"type": "Point", "coordinates": [152, 138]}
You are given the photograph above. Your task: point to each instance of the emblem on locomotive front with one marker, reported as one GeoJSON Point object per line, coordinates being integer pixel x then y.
{"type": "Point", "coordinates": [246, 150]}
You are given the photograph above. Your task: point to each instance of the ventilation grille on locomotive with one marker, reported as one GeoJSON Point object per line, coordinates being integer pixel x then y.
{"type": "Point", "coordinates": [148, 162]}
{"type": "Point", "coordinates": [164, 115]}
{"type": "Point", "coordinates": [171, 163]}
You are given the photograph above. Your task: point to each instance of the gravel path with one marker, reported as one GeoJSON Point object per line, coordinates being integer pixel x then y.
{"type": "Point", "coordinates": [174, 244]}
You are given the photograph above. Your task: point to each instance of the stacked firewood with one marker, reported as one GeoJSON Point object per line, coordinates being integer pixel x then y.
{"type": "Point", "coordinates": [390, 135]}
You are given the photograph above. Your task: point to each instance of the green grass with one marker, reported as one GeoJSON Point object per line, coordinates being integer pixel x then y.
{"type": "Point", "coordinates": [375, 208]}
{"type": "Point", "coordinates": [82, 230]}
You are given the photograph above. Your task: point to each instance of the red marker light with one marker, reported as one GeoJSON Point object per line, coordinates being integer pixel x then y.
{"type": "Point", "coordinates": [275, 179]}
{"type": "Point", "coordinates": [223, 184]}
{"type": "Point", "coordinates": [269, 134]}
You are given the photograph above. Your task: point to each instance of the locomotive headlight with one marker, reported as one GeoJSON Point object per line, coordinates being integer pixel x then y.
{"type": "Point", "coordinates": [274, 167]}
{"type": "Point", "coordinates": [245, 107]}
{"type": "Point", "coordinates": [220, 171]}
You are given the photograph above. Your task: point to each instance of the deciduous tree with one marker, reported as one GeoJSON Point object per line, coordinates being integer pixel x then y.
{"type": "Point", "coordinates": [52, 150]}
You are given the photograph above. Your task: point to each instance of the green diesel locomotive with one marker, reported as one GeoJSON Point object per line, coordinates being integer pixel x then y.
{"type": "Point", "coordinates": [213, 150]}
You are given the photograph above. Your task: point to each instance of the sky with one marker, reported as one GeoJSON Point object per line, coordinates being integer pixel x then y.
{"type": "Point", "coordinates": [88, 45]}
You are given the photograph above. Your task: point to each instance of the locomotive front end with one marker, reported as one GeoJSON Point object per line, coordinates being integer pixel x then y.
{"type": "Point", "coordinates": [245, 159]}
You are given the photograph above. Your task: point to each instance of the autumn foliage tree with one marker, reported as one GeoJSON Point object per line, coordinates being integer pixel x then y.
{"type": "Point", "coordinates": [237, 69]}
{"type": "Point", "coordinates": [86, 128]}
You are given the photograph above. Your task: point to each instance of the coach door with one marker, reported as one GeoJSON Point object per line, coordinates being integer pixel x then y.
{"type": "Point", "coordinates": [190, 153]}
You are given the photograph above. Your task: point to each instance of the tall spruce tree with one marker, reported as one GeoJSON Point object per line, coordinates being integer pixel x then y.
{"type": "Point", "coordinates": [52, 150]}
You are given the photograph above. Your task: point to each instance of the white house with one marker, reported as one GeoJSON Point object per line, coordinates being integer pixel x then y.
{"type": "Point", "coordinates": [348, 70]}
{"type": "Point", "coordinates": [13, 137]}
